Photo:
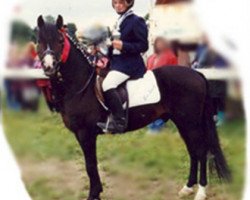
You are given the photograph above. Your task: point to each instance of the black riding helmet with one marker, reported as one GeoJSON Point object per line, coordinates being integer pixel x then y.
{"type": "Point", "coordinates": [130, 4]}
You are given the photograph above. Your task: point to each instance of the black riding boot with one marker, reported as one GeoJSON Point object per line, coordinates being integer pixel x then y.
{"type": "Point", "coordinates": [114, 103]}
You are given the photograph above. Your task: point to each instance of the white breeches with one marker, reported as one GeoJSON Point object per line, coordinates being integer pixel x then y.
{"type": "Point", "coordinates": [113, 80]}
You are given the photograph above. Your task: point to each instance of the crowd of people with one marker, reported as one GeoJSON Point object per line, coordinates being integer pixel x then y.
{"type": "Point", "coordinates": [22, 94]}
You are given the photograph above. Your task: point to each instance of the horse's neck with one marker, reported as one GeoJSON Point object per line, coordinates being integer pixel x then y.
{"type": "Point", "coordinates": [76, 71]}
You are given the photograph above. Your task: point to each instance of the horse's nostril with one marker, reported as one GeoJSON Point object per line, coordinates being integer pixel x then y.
{"type": "Point", "coordinates": [47, 68]}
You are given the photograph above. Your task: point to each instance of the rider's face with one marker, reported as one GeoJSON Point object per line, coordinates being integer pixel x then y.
{"type": "Point", "coordinates": [120, 6]}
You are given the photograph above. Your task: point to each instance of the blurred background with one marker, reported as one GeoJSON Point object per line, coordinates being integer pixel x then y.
{"type": "Point", "coordinates": [149, 164]}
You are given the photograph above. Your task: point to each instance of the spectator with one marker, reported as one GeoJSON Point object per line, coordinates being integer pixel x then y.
{"type": "Point", "coordinates": [206, 57]}
{"type": "Point", "coordinates": [163, 55]}
{"type": "Point", "coordinates": [182, 51]}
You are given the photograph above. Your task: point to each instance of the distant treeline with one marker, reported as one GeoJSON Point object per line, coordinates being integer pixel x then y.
{"type": "Point", "coordinates": [21, 32]}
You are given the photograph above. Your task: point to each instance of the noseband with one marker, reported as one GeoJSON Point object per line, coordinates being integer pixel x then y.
{"type": "Point", "coordinates": [48, 51]}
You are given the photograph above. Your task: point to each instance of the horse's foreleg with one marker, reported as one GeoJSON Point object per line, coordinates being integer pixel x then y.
{"type": "Point", "coordinates": [87, 142]}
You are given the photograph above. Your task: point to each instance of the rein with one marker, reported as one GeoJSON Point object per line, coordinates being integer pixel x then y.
{"type": "Point", "coordinates": [64, 57]}
{"type": "Point", "coordinates": [87, 83]}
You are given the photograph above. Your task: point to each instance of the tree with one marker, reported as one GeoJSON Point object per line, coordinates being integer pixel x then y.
{"type": "Point", "coordinates": [146, 17]}
{"type": "Point", "coordinates": [21, 32]}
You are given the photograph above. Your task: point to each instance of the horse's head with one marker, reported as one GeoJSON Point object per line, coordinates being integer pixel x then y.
{"type": "Point", "coordinates": [51, 45]}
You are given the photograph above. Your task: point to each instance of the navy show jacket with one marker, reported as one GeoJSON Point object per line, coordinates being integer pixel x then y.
{"type": "Point", "coordinates": [134, 35]}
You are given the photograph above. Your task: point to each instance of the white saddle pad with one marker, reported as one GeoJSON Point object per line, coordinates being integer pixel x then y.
{"type": "Point", "coordinates": [143, 90]}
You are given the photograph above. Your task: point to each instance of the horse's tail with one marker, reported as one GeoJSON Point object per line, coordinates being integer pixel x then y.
{"type": "Point", "coordinates": [218, 160]}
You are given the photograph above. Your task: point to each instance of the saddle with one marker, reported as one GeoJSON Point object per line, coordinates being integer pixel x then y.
{"type": "Point", "coordinates": [122, 91]}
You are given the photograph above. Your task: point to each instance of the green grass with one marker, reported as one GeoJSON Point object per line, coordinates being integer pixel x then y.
{"type": "Point", "coordinates": [39, 135]}
{"type": "Point", "coordinates": [143, 159]}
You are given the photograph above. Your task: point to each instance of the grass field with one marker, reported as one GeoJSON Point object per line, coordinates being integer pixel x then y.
{"type": "Point", "coordinates": [134, 166]}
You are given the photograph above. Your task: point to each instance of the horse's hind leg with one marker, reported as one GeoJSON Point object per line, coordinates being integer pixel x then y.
{"type": "Point", "coordinates": [198, 152]}
{"type": "Point", "coordinates": [201, 193]}
{"type": "Point", "coordinates": [194, 139]}
{"type": "Point", "coordinates": [192, 180]}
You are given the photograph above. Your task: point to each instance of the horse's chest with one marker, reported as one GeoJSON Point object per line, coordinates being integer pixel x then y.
{"type": "Point", "coordinates": [66, 120]}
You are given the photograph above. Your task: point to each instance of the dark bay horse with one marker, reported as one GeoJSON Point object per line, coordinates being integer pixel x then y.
{"type": "Point", "coordinates": [184, 100]}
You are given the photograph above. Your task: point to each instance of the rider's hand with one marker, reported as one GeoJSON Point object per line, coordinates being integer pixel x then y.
{"type": "Point", "coordinates": [92, 50]}
{"type": "Point", "coordinates": [117, 44]}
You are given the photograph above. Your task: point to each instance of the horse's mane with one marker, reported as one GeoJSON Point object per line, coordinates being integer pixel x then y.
{"type": "Point", "coordinates": [80, 47]}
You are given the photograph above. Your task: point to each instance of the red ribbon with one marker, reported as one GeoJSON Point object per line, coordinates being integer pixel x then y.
{"type": "Point", "coordinates": [66, 48]}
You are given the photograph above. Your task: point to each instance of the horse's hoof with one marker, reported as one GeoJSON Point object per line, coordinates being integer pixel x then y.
{"type": "Point", "coordinates": [186, 191]}
{"type": "Point", "coordinates": [201, 194]}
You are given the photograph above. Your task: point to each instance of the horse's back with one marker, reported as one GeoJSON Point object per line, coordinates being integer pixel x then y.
{"type": "Point", "coordinates": [177, 77]}
{"type": "Point", "coordinates": [178, 72]}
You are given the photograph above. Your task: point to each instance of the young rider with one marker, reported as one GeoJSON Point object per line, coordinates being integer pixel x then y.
{"type": "Point", "coordinates": [126, 60]}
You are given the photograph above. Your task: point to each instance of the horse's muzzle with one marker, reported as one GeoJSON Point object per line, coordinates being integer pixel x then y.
{"type": "Point", "coordinates": [49, 71]}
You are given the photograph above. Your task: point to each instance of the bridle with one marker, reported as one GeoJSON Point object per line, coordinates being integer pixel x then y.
{"type": "Point", "coordinates": [64, 57]}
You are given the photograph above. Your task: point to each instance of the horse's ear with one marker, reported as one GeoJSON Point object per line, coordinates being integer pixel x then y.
{"type": "Point", "coordinates": [59, 22]}
{"type": "Point", "coordinates": [40, 21]}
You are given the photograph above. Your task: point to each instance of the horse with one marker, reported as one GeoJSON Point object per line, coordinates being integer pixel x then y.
{"type": "Point", "coordinates": [184, 99]}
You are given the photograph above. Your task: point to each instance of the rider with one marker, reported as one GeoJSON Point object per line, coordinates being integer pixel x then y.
{"type": "Point", "coordinates": [126, 60]}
